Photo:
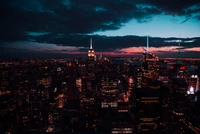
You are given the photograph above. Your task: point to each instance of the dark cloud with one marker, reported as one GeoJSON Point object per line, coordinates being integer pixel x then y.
{"type": "Point", "coordinates": [68, 17]}
{"type": "Point", "coordinates": [173, 7]}
{"type": "Point", "coordinates": [66, 22]}
{"type": "Point", "coordinates": [100, 43]}
{"type": "Point", "coordinates": [78, 16]}
{"type": "Point", "coordinates": [198, 17]}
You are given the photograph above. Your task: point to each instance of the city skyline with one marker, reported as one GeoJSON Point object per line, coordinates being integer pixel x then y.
{"type": "Point", "coordinates": [118, 28]}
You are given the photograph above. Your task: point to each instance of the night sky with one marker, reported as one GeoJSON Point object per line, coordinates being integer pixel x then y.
{"type": "Point", "coordinates": [60, 28]}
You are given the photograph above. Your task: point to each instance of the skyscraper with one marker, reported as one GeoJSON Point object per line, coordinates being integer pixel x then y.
{"type": "Point", "coordinates": [91, 58]}
{"type": "Point", "coordinates": [91, 50]}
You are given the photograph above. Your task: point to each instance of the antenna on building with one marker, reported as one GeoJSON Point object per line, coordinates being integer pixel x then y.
{"type": "Point", "coordinates": [90, 43]}
{"type": "Point", "coordinates": [147, 42]}
{"type": "Point", "coordinates": [100, 55]}
{"type": "Point", "coordinates": [179, 52]}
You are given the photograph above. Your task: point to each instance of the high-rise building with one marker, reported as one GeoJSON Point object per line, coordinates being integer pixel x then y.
{"type": "Point", "coordinates": [8, 106]}
{"type": "Point", "coordinates": [193, 84]}
{"type": "Point", "coordinates": [109, 91]}
{"type": "Point", "coordinates": [151, 63]}
{"type": "Point", "coordinates": [88, 111]}
{"type": "Point", "coordinates": [121, 123]}
{"type": "Point", "coordinates": [91, 60]}
{"type": "Point", "coordinates": [192, 114]}
{"type": "Point", "coordinates": [91, 50]}
{"type": "Point", "coordinates": [148, 110]}
{"type": "Point", "coordinates": [138, 78]}
{"type": "Point", "coordinates": [72, 92]}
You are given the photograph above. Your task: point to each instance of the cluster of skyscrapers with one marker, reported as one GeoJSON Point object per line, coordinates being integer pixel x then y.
{"type": "Point", "coordinates": [99, 94]}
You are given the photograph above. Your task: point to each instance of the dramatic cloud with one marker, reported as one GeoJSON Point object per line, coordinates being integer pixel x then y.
{"type": "Point", "coordinates": [194, 49]}
{"type": "Point", "coordinates": [41, 47]}
{"type": "Point", "coordinates": [88, 16]}
{"type": "Point", "coordinates": [178, 7]}
{"type": "Point", "coordinates": [151, 49]}
{"type": "Point", "coordinates": [65, 26]}
{"type": "Point", "coordinates": [157, 50]}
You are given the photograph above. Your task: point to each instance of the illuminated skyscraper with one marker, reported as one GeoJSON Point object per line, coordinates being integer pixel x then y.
{"type": "Point", "coordinates": [91, 50]}
{"type": "Point", "coordinates": [193, 84]}
{"type": "Point", "coordinates": [109, 91]}
{"type": "Point", "coordinates": [148, 112]}
{"type": "Point", "coordinates": [72, 92]}
{"type": "Point", "coordinates": [91, 59]}
{"type": "Point", "coordinates": [151, 63]}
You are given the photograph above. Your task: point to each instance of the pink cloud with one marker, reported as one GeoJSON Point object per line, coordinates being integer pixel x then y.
{"type": "Point", "coordinates": [98, 53]}
{"type": "Point", "coordinates": [195, 49]}
{"type": "Point", "coordinates": [74, 50]}
{"type": "Point", "coordinates": [151, 49]}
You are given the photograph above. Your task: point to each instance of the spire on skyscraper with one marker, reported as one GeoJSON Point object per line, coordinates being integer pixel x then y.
{"type": "Point", "coordinates": [90, 43]}
{"type": "Point", "coordinates": [101, 55]}
{"type": "Point", "coordinates": [147, 42]}
{"type": "Point", "coordinates": [91, 50]}
{"type": "Point", "coordinates": [179, 60]}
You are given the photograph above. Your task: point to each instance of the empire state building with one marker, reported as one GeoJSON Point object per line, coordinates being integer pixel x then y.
{"type": "Point", "coordinates": [91, 50]}
{"type": "Point", "coordinates": [91, 60]}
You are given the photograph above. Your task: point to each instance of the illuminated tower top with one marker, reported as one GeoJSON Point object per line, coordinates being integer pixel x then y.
{"type": "Point", "coordinates": [179, 61]}
{"type": "Point", "coordinates": [91, 50]}
{"type": "Point", "coordinates": [101, 55]}
{"type": "Point", "coordinates": [91, 43]}
{"type": "Point", "coordinates": [147, 42]}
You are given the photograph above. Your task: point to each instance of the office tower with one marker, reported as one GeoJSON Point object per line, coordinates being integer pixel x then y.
{"type": "Point", "coordinates": [179, 87]}
{"type": "Point", "coordinates": [35, 115]}
{"type": "Point", "coordinates": [193, 84]}
{"type": "Point", "coordinates": [88, 107]}
{"type": "Point", "coordinates": [79, 84]}
{"type": "Point", "coordinates": [4, 78]}
{"type": "Point", "coordinates": [148, 110]}
{"type": "Point", "coordinates": [109, 90]}
{"type": "Point", "coordinates": [72, 92]}
{"type": "Point", "coordinates": [193, 93]}
{"type": "Point", "coordinates": [88, 111]}
{"type": "Point", "coordinates": [192, 114]}
{"type": "Point", "coordinates": [82, 70]}
{"type": "Point", "coordinates": [163, 77]}
{"type": "Point", "coordinates": [138, 78]}
{"type": "Point", "coordinates": [8, 113]}
{"type": "Point", "coordinates": [71, 115]}
{"type": "Point", "coordinates": [125, 68]}
{"type": "Point", "coordinates": [61, 100]}
{"type": "Point", "coordinates": [22, 117]}
{"type": "Point", "coordinates": [121, 123]}
{"type": "Point", "coordinates": [179, 71]}
{"type": "Point", "coordinates": [91, 62]}
{"type": "Point", "coordinates": [179, 84]}
{"type": "Point", "coordinates": [151, 63]}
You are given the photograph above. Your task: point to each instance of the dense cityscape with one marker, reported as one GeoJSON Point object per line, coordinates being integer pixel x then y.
{"type": "Point", "coordinates": [99, 94]}
{"type": "Point", "coordinates": [100, 66]}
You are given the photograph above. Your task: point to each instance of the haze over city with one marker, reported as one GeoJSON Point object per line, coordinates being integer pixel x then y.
{"type": "Point", "coordinates": [43, 28]}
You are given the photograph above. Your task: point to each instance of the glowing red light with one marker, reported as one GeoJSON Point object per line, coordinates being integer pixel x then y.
{"type": "Point", "coordinates": [182, 68]}
{"type": "Point", "coordinates": [171, 67]}
{"type": "Point", "coordinates": [70, 64]}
